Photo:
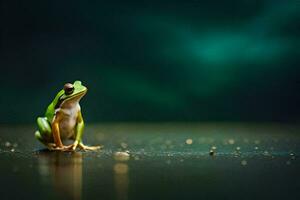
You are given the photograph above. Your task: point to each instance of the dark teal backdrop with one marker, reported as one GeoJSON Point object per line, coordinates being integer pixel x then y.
{"type": "Point", "coordinates": [153, 60]}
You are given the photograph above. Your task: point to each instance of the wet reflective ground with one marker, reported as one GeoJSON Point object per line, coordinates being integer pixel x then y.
{"type": "Point", "coordinates": [156, 161]}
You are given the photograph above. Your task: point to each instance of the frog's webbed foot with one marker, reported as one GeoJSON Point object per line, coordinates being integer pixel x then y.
{"type": "Point", "coordinates": [89, 148]}
{"type": "Point", "coordinates": [71, 147]}
{"type": "Point", "coordinates": [51, 146]}
{"type": "Point", "coordinates": [54, 147]}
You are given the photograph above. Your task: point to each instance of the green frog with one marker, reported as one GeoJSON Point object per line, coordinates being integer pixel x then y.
{"type": "Point", "coordinates": [63, 120]}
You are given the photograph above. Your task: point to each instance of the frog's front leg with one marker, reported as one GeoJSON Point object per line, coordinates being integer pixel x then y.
{"type": "Point", "coordinates": [78, 136]}
{"type": "Point", "coordinates": [56, 134]}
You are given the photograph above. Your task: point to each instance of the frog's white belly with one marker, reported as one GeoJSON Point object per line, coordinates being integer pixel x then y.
{"type": "Point", "coordinates": [68, 121]}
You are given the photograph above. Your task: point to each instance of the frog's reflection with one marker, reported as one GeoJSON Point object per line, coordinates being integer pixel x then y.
{"type": "Point", "coordinates": [64, 170]}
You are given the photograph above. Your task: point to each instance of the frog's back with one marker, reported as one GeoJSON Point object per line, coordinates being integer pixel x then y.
{"type": "Point", "coordinates": [50, 112]}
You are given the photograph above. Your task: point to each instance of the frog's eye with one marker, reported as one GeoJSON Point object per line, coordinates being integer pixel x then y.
{"type": "Point", "coordinates": [68, 88]}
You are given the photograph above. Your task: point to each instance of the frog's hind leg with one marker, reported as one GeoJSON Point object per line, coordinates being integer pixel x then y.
{"type": "Point", "coordinates": [44, 134]}
{"type": "Point", "coordinates": [91, 148]}
{"type": "Point", "coordinates": [44, 127]}
{"type": "Point", "coordinates": [40, 138]}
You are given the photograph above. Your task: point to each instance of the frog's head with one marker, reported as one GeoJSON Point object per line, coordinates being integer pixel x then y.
{"type": "Point", "coordinates": [73, 92]}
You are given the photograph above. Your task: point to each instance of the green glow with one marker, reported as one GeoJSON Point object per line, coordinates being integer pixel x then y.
{"type": "Point", "coordinates": [179, 60]}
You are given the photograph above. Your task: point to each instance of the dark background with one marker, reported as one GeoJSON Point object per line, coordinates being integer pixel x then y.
{"type": "Point", "coordinates": [153, 60]}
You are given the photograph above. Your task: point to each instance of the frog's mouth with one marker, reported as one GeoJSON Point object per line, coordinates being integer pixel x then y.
{"type": "Point", "coordinates": [70, 98]}
{"type": "Point", "coordinates": [78, 95]}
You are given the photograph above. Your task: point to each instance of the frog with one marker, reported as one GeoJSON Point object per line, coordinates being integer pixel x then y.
{"type": "Point", "coordinates": [63, 120]}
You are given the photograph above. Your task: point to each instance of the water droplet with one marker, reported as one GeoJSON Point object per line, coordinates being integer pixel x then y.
{"type": "Point", "coordinates": [213, 147]}
{"type": "Point", "coordinates": [121, 156]}
{"type": "Point", "coordinates": [189, 141]}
